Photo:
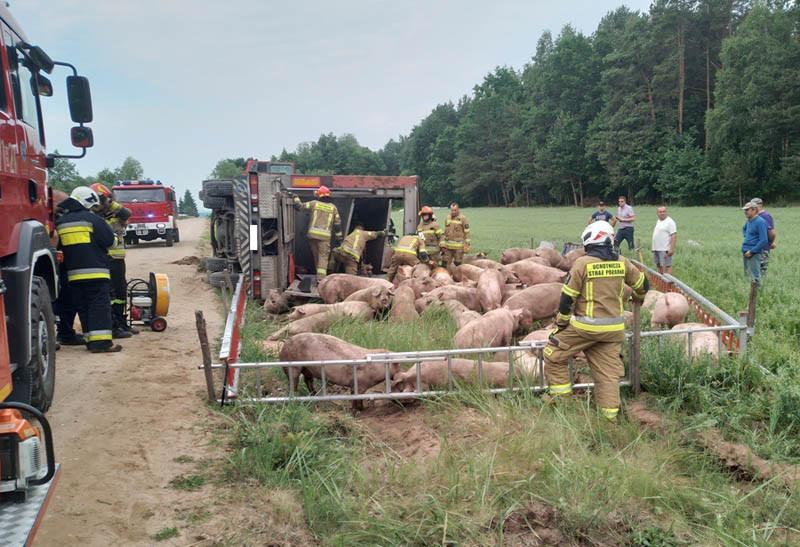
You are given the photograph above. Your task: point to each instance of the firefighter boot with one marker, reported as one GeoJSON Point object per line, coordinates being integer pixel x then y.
{"type": "Point", "coordinates": [118, 317]}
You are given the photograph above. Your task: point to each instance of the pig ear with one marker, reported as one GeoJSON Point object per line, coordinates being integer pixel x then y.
{"type": "Point", "coordinates": [300, 312]}
{"type": "Point", "coordinates": [390, 291]}
{"type": "Point", "coordinates": [376, 291]}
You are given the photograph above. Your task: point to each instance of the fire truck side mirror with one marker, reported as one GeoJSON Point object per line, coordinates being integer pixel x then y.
{"type": "Point", "coordinates": [37, 55]}
{"type": "Point", "coordinates": [82, 137]}
{"type": "Point", "coordinates": [80, 99]}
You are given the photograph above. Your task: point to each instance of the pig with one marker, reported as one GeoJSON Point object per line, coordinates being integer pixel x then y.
{"type": "Point", "coordinates": [541, 301]}
{"type": "Point", "coordinates": [320, 321]}
{"type": "Point", "coordinates": [403, 272]}
{"type": "Point", "coordinates": [379, 298]}
{"type": "Point", "coordinates": [420, 285]}
{"type": "Point", "coordinates": [531, 273]}
{"type": "Point", "coordinates": [494, 329]}
{"type": "Point", "coordinates": [459, 312]}
{"type": "Point", "coordinates": [421, 270]}
{"type": "Point", "coordinates": [434, 374]}
{"type": "Point", "coordinates": [466, 271]}
{"type": "Point", "coordinates": [515, 254]}
{"type": "Point", "coordinates": [442, 276]}
{"type": "Point", "coordinates": [317, 347]}
{"type": "Point", "coordinates": [510, 289]}
{"type": "Point", "coordinates": [550, 254]}
{"type": "Point", "coordinates": [466, 295]}
{"type": "Point", "coordinates": [536, 260]}
{"type": "Point", "coordinates": [569, 259]}
{"type": "Point", "coordinates": [336, 287]}
{"type": "Point", "coordinates": [540, 335]}
{"type": "Point", "coordinates": [490, 289]}
{"type": "Point", "coordinates": [276, 302]}
{"type": "Point", "coordinates": [650, 299]}
{"type": "Point", "coordinates": [702, 342]}
{"type": "Point", "coordinates": [469, 259]}
{"type": "Point", "coordinates": [403, 305]}
{"type": "Point", "coordinates": [486, 263]}
{"type": "Point", "coordinates": [670, 309]}
{"type": "Point", "coordinates": [345, 308]}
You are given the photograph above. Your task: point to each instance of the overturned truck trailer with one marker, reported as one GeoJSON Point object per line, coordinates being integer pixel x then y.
{"type": "Point", "coordinates": [256, 232]}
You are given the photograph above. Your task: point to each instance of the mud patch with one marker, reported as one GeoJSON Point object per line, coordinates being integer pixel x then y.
{"type": "Point", "coordinates": [638, 411]}
{"type": "Point", "coordinates": [402, 429]}
{"type": "Point", "coordinates": [745, 463]}
{"type": "Point", "coordinates": [534, 525]}
{"type": "Point", "coordinates": [187, 261]}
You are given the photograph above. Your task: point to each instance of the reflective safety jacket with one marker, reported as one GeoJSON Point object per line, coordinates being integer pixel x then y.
{"type": "Point", "coordinates": [456, 232]}
{"type": "Point", "coordinates": [432, 233]}
{"type": "Point", "coordinates": [84, 238]}
{"type": "Point", "coordinates": [597, 286]}
{"type": "Point", "coordinates": [324, 219]}
{"type": "Point", "coordinates": [410, 244]}
{"type": "Point", "coordinates": [354, 244]}
{"type": "Point", "coordinates": [116, 215]}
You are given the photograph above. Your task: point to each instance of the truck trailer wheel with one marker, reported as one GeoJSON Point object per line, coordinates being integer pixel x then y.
{"type": "Point", "coordinates": [218, 188]}
{"type": "Point", "coordinates": [213, 202]}
{"type": "Point", "coordinates": [213, 264]}
{"type": "Point", "coordinates": [35, 383]}
{"type": "Point", "coordinates": [216, 279]}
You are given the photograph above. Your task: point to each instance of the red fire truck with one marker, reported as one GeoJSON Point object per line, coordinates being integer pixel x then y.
{"type": "Point", "coordinates": [28, 274]}
{"type": "Point", "coordinates": [154, 213]}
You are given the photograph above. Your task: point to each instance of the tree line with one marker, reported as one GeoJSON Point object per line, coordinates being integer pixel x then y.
{"type": "Point", "coordinates": [694, 101]}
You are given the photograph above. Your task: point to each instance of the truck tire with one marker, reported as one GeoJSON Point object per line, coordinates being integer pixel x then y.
{"type": "Point", "coordinates": [35, 383]}
{"type": "Point", "coordinates": [169, 238]}
{"type": "Point", "coordinates": [213, 202]}
{"type": "Point", "coordinates": [218, 188]}
{"type": "Point", "coordinates": [177, 235]}
{"type": "Point", "coordinates": [216, 279]}
{"type": "Point", "coordinates": [214, 264]}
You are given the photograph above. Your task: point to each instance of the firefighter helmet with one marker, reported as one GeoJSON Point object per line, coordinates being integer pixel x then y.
{"type": "Point", "coordinates": [425, 211]}
{"type": "Point", "coordinates": [598, 233]}
{"type": "Point", "coordinates": [85, 196]}
{"type": "Point", "coordinates": [101, 189]}
{"type": "Point", "coordinates": [322, 191]}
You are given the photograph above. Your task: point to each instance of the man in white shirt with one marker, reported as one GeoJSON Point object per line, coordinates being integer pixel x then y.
{"type": "Point", "coordinates": [665, 235]}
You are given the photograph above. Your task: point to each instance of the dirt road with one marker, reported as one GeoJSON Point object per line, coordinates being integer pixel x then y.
{"type": "Point", "coordinates": [126, 424]}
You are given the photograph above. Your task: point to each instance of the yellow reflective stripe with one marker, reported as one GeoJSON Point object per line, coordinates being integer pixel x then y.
{"type": "Point", "coordinates": [609, 413]}
{"type": "Point", "coordinates": [563, 317]}
{"type": "Point", "coordinates": [97, 335]}
{"type": "Point", "coordinates": [327, 207]}
{"type": "Point", "coordinates": [639, 282]}
{"type": "Point", "coordinates": [570, 291]}
{"type": "Point", "coordinates": [5, 391]}
{"type": "Point", "coordinates": [351, 253]}
{"type": "Point", "coordinates": [454, 244]}
{"type": "Point", "coordinates": [75, 239]}
{"type": "Point", "coordinates": [596, 328]}
{"type": "Point", "coordinates": [406, 251]}
{"type": "Point", "coordinates": [74, 229]}
{"type": "Point", "coordinates": [117, 301]}
{"type": "Point", "coordinates": [621, 296]}
{"type": "Point", "coordinates": [560, 389]}
{"type": "Point", "coordinates": [319, 232]}
{"type": "Point", "coordinates": [116, 253]}
{"type": "Point", "coordinates": [322, 271]}
{"type": "Point", "coordinates": [84, 277]}
{"type": "Point", "coordinates": [590, 299]}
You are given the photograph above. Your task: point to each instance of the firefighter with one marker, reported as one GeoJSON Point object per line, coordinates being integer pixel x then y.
{"type": "Point", "coordinates": [408, 252]}
{"type": "Point", "coordinates": [324, 220]}
{"type": "Point", "coordinates": [430, 231]}
{"type": "Point", "coordinates": [591, 318]}
{"type": "Point", "coordinates": [117, 217]}
{"type": "Point", "coordinates": [456, 237]}
{"type": "Point", "coordinates": [84, 239]}
{"type": "Point", "coordinates": [349, 254]}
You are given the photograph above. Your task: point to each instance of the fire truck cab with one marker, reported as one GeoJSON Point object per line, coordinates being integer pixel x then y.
{"type": "Point", "coordinates": [154, 212]}
{"type": "Point", "coordinates": [29, 274]}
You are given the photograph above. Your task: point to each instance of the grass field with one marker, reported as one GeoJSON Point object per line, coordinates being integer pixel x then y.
{"type": "Point", "coordinates": [480, 470]}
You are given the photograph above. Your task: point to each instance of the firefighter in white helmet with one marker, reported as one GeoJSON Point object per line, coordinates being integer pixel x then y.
{"type": "Point", "coordinates": [591, 318]}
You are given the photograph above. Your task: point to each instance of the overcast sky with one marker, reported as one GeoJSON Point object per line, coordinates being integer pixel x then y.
{"type": "Point", "coordinates": [180, 84]}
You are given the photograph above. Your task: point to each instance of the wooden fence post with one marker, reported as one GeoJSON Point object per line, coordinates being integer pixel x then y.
{"type": "Point", "coordinates": [202, 334]}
